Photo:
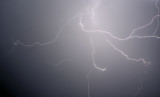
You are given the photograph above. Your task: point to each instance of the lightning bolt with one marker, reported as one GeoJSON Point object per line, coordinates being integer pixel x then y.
{"type": "Point", "coordinates": [93, 59]}
{"type": "Point", "coordinates": [91, 12]}
{"type": "Point", "coordinates": [17, 42]}
{"type": "Point", "coordinates": [131, 36]}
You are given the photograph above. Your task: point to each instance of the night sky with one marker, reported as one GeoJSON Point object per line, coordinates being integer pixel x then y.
{"type": "Point", "coordinates": [60, 69]}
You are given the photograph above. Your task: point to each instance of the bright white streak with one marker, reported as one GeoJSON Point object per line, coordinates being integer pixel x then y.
{"type": "Point", "coordinates": [132, 32]}
{"type": "Point", "coordinates": [88, 82]}
{"type": "Point", "coordinates": [50, 42]}
{"type": "Point", "coordinates": [93, 59]}
{"type": "Point", "coordinates": [127, 57]}
{"type": "Point", "coordinates": [117, 38]}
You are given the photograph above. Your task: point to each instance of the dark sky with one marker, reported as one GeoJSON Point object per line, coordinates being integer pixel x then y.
{"type": "Point", "coordinates": [31, 71]}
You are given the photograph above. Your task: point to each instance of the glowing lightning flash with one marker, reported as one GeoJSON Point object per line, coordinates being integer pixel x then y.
{"type": "Point", "coordinates": [91, 12]}
{"type": "Point", "coordinates": [131, 36]}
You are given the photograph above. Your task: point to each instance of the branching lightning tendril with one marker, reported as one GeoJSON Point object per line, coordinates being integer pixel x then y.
{"type": "Point", "coordinates": [131, 36]}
